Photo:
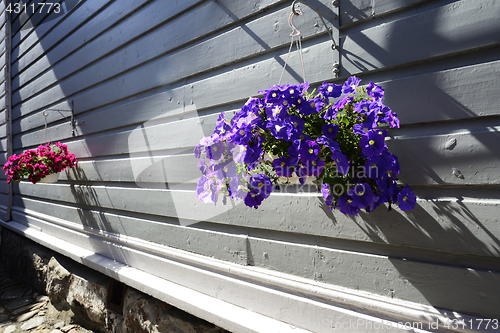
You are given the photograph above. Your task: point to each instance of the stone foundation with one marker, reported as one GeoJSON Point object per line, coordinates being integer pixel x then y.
{"type": "Point", "coordinates": [81, 293]}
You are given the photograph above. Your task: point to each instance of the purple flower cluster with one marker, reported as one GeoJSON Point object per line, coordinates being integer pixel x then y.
{"type": "Point", "coordinates": [290, 132]}
{"type": "Point", "coordinates": [36, 164]}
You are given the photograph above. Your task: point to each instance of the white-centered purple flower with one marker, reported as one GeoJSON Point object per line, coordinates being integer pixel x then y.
{"type": "Point", "coordinates": [375, 91]}
{"type": "Point", "coordinates": [330, 90]}
{"type": "Point", "coordinates": [280, 129]}
{"type": "Point", "coordinates": [350, 85]}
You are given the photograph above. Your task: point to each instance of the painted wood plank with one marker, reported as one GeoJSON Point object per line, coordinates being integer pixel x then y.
{"type": "Point", "coordinates": [468, 156]}
{"type": "Point", "coordinates": [454, 156]}
{"type": "Point", "coordinates": [267, 66]}
{"type": "Point", "coordinates": [448, 95]}
{"type": "Point", "coordinates": [356, 11]}
{"type": "Point", "coordinates": [3, 15]}
{"type": "Point", "coordinates": [401, 278]}
{"type": "Point", "coordinates": [20, 19]}
{"type": "Point", "coordinates": [2, 62]}
{"type": "Point", "coordinates": [41, 15]}
{"type": "Point", "coordinates": [3, 156]}
{"type": "Point", "coordinates": [463, 224]}
{"type": "Point", "coordinates": [2, 43]}
{"type": "Point", "coordinates": [2, 102]}
{"type": "Point", "coordinates": [459, 26]}
{"type": "Point", "coordinates": [2, 88]}
{"type": "Point", "coordinates": [405, 279]}
{"type": "Point", "coordinates": [148, 170]}
{"type": "Point", "coordinates": [3, 146]}
{"type": "Point", "coordinates": [220, 245]}
{"type": "Point", "coordinates": [13, 14]}
{"type": "Point", "coordinates": [121, 142]}
{"type": "Point", "coordinates": [214, 15]}
{"type": "Point", "coordinates": [41, 39]}
{"type": "Point", "coordinates": [254, 38]}
{"type": "Point", "coordinates": [25, 34]}
{"type": "Point", "coordinates": [99, 40]}
{"type": "Point", "coordinates": [4, 200]}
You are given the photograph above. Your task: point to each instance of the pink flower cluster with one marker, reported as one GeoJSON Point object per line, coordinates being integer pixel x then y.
{"type": "Point", "coordinates": [36, 164]}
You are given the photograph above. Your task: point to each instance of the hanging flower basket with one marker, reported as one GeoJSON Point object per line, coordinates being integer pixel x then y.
{"type": "Point", "coordinates": [337, 135]}
{"type": "Point", "coordinates": [40, 165]}
{"type": "Point", "coordinates": [52, 178]}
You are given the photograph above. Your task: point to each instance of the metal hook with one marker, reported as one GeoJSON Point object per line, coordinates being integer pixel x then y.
{"type": "Point", "coordinates": [296, 11]}
{"type": "Point", "coordinates": [72, 121]}
{"type": "Point", "coordinates": [295, 31]}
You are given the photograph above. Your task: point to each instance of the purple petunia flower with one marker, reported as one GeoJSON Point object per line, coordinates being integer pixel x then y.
{"type": "Point", "coordinates": [241, 135]}
{"type": "Point", "coordinates": [261, 184]}
{"type": "Point", "coordinates": [330, 114]}
{"type": "Point", "coordinates": [297, 124]}
{"type": "Point", "coordinates": [206, 190]}
{"type": "Point", "coordinates": [273, 95]}
{"type": "Point", "coordinates": [246, 154]}
{"type": "Point", "coordinates": [253, 199]}
{"type": "Point", "coordinates": [341, 162]}
{"type": "Point", "coordinates": [341, 103]}
{"type": "Point", "coordinates": [198, 149]}
{"type": "Point", "coordinates": [283, 167]}
{"type": "Point", "coordinates": [224, 170]}
{"type": "Point", "coordinates": [375, 91]}
{"type": "Point", "coordinates": [333, 145]}
{"type": "Point", "coordinates": [280, 129]}
{"type": "Point", "coordinates": [311, 168]}
{"type": "Point", "coordinates": [292, 91]}
{"type": "Point", "coordinates": [317, 104]}
{"type": "Point", "coordinates": [375, 167]}
{"type": "Point", "coordinates": [406, 199]}
{"type": "Point", "coordinates": [377, 201]}
{"type": "Point", "coordinates": [293, 153]}
{"type": "Point", "coordinates": [372, 143]}
{"type": "Point", "coordinates": [222, 126]}
{"type": "Point", "coordinates": [309, 150]}
{"type": "Point", "coordinates": [364, 107]}
{"type": "Point", "coordinates": [361, 195]}
{"type": "Point", "coordinates": [330, 90]}
{"type": "Point", "coordinates": [347, 205]}
{"type": "Point", "coordinates": [275, 112]}
{"type": "Point", "coordinates": [215, 151]}
{"type": "Point", "coordinates": [237, 188]}
{"type": "Point", "coordinates": [350, 85]}
{"type": "Point", "coordinates": [327, 195]}
{"type": "Point", "coordinates": [330, 130]}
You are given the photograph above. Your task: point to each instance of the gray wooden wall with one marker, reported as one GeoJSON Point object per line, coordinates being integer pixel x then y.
{"type": "Point", "coordinates": [148, 79]}
{"type": "Point", "coordinates": [5, 116]}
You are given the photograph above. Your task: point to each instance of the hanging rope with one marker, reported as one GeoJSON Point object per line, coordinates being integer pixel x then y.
{"type": "Point", "coordinates": [46, 131]}
{"type": "Point", "coordinates": [296, 36]}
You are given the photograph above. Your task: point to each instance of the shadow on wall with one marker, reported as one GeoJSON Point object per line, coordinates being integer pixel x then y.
{"type": "Point", "coordinates": [87, 198]}
{"type": "Point", "coordinates": [451, 246]}
{"type": "Point", "coordinates": [450, 256]}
